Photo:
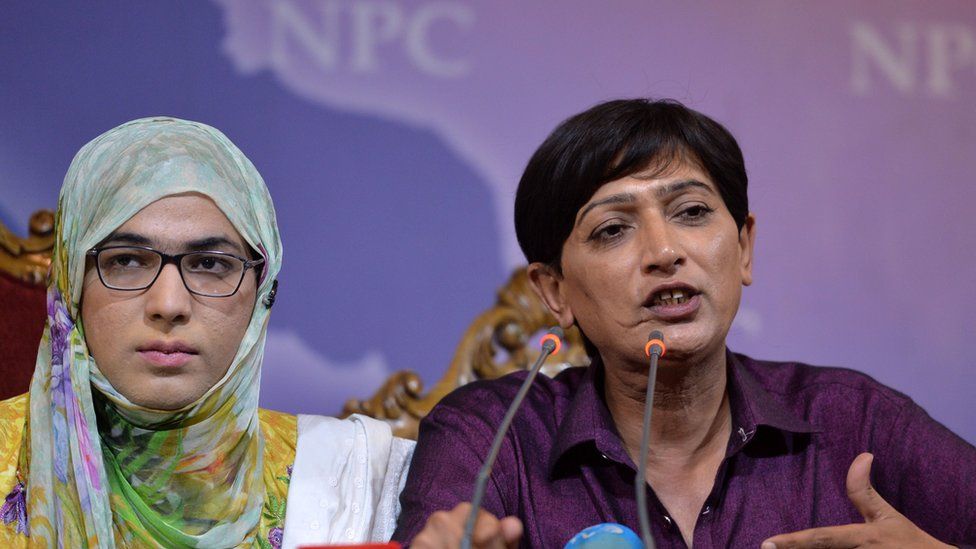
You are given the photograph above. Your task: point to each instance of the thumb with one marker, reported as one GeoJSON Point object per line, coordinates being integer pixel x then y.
{"type": "Point", "coordinates": [511, 531]}
{"type": "Point", "coordinates": [862, 494]}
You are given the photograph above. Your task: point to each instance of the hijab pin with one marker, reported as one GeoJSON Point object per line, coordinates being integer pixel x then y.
{"type": "Point", "coordinates": [270, 299]}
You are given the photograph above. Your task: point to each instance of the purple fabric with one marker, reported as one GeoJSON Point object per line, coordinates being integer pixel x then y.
{"type": "Point", "coordinates": [14, 509]}
{"type": "Point", "coordinates": [795, 431]}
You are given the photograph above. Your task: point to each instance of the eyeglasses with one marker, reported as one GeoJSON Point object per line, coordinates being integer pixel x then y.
{"type": "Point", "coordinates": [210, 274]}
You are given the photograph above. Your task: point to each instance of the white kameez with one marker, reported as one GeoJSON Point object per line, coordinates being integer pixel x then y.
{"type": "Point", "coordinates": [346, 481]}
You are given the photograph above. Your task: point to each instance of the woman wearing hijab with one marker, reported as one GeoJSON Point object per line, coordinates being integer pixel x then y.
{"type": "Point", "coordinates": [634, 217]}
{"type": "Point", "coordinates": [142, 426]}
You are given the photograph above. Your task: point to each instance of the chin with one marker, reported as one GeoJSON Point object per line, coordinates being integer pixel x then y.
{"type": "Point", "coordinates": [689, 345]}
{"type": "Point", "coordinates": [165, 398]}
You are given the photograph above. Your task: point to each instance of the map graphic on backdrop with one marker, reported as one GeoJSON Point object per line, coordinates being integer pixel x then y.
{"type": "Point", "coordinates": [392, 135]}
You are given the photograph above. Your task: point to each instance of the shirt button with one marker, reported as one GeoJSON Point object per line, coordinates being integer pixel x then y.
{"type": "Point", "coordinates": [355, 508]}
{"type": "Point", "coordinates": [349, 533]}
{"type": "Point", "coordinates": [314, 525]}
{"type": "Point", "coordinates": [333, 481]}
{"type": "Point", "coordinates": [323, 503]}
{"type": "Point", "coordinates": [359, 483]}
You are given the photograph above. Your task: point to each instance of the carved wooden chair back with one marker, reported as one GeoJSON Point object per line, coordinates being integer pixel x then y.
{"type": "Point", "coordinates": [498, 342]}
{"type": "Point", "coordinates": [24, 264]}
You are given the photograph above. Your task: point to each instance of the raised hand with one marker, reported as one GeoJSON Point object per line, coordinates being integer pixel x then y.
{"type": "Point", "coordinates": [883, 526]}
{"type": "Point", "coordinates": [444, 530]}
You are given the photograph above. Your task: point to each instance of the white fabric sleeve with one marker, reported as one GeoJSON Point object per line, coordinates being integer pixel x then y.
{"type": "Point", "coordinates": [345, 482]}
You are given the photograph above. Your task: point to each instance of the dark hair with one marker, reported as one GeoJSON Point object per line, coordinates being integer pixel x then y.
{"type": "Point", "coordinates": [610, 141]}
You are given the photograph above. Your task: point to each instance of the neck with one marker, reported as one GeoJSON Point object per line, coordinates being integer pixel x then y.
{"type": "Point", "coordinates": [691, 409]}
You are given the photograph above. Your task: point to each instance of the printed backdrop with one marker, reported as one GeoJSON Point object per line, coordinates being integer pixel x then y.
{"type": "Point", "coordinates": [392, 134]}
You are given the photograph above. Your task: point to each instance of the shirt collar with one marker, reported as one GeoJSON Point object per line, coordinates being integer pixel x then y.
{"type": "Point", "coordinates": [588, 420]}
{"type": "Point", "coordinates": [753, 405]}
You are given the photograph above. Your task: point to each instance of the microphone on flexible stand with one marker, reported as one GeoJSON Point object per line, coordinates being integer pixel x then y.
{"type": "Point", "coordinates": [654, 349]}
{"type": "Point", "coordinates": [551, 342]}
{"type": "Point", "coordinates": [608, 535]}
{"type": "Point", "coordinates": [617, 536]}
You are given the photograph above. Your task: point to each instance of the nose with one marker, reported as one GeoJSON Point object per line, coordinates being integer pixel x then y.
{"type": "Point", "coordinates": [662, 250]}
{"type": "Point", "coordinates": [168, 300]}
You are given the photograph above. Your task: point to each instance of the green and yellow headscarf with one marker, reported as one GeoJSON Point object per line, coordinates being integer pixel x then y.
{"type": "Point", "coordinates": [185, 478]}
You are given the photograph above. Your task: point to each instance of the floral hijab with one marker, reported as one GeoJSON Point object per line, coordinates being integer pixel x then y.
{"type": "Point", "coordinates": [101, 471]}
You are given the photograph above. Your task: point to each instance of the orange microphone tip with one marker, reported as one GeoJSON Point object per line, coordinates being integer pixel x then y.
{"type": "Point", "coordinates": [655, 342]}
{"type": "Point", "coordinates": [555, 341]}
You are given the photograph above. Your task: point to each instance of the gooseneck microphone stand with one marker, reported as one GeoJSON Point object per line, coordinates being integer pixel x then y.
{"type": "Point", "coordinates": [550, 345]}
{"type": "Point", "coordinates": [654, 350]}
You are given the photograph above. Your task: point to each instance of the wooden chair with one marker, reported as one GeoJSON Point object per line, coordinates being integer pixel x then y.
{"type": "Point", "coordinates": [498, 342]}
{"type": "Point", "coordinates": [24, 264]}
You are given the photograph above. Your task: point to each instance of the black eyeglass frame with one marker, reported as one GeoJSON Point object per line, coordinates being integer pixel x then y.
{"type": "Point", "coordinates": [177, 260]}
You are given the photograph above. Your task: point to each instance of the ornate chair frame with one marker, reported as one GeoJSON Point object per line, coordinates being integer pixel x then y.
{"type": "Point", "coordinates": [496, 343]}
{"type": "Point", "coordinates": [28, 259]}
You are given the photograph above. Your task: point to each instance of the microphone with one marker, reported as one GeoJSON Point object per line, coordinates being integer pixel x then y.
{"type": "Point", "coordinates": [654, 349]}
{"type": "Point", "coordinates": [608, 535]}
{"type": "Point", "coordinates": [551, 342]}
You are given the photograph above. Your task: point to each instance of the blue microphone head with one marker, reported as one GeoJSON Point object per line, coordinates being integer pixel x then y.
{"type": "Point", "coordinates": [608, 535]}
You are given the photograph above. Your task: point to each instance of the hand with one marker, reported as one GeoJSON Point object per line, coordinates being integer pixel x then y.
{"type": "Point", "coordinates": [444, 529]}
{"type": "Point", "coordinates": [883, 526]}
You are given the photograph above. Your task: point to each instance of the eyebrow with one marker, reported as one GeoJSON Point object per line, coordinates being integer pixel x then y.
{"type": "Point", "coordinates": [127, 238]}
{"type": "Point", "coordinates": [660, 192]}
{"type": "Point", "coordinates": [199, 245]}
{"type": "Point", "coordinates": [211, 243]}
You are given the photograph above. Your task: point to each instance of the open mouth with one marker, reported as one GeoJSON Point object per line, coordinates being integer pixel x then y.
{"type": "Point", "coordinates": [673, 296]}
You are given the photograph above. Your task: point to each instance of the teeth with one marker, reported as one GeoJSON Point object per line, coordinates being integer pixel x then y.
{"type": "Point", "coordinates": [670, 297]}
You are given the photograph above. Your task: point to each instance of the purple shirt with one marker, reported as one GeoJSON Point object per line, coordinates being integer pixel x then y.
{"type": "Point", "coordinates": [795, 431]}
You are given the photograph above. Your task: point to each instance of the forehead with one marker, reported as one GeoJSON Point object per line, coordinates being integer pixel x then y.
{"type": "Point", "coordinates": [178, 219]}
{"type": "Point", "coordinates": [657, 178]}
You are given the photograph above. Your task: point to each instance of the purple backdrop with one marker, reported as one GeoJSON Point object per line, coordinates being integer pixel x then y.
{"type": "Point", "coordinates": [392, 134]}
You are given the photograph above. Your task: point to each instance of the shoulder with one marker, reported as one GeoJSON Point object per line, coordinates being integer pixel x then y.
{"type": "Point", "coordinates": [845, 406]}
{"type": "Point", "coordinates": [494, 396]}
{"type": "Point", "coordinates": [357, 437]}
{"type": "Point", "coordinates": [280, 435]}
{"type": "Point", "coordinates": [13, 415]}
{"type": "Point", "coordinates": [808, 384]}
{"type": "Point", "coordinates": [280, 431]}
{"type": "Point", "coordinates": [14, 409]}
{"type": "Point", "coordinates": [345, 481]}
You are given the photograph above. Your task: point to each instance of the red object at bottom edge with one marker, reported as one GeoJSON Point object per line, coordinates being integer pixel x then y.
{"type": "Point", "coordinates": [390, 545]}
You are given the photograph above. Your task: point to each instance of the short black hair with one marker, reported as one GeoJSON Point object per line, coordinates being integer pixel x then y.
{"type": "Point", "coordinates": [607, 142]}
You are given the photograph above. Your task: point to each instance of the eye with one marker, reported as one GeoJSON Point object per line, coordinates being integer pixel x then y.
{"type": "Point", "coordinates": [120, 260]}
{"type": "Point", "coordinates": [209, 263]}
{"type": "Point", "coordinates": [125, 261]}
{"type": "Point", "coordinates": [609, 232]}
{"type": "Point", "coordinates": [695, 212]}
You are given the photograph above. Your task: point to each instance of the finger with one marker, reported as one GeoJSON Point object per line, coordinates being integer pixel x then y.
{"type": "Point", "coordinates": [862, 494]}
{"type": "Point", "coordinates": [832, 537]}
{"type": "Point", "coordinates": [487, 532]}
{"type": "Point", "coordinates": [511, 531]}
{"type": "Point", "coordinates": [441, 531]}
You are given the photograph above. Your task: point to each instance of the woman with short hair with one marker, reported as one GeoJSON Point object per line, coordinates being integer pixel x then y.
{"type": "Point", "coordinates": [634, 217]}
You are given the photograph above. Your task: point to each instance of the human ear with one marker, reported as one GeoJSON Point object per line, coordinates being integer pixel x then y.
{"type": "Point", "coordinates": [547, 285]}
{"type": "Point", "coordinates": [747, 240]}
